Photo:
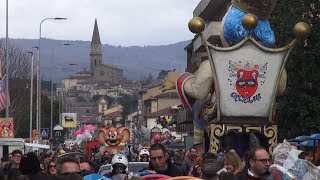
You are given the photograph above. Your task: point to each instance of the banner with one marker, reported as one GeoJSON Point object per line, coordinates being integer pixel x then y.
{"type": "Point", "coordinates": [247, 78]}
{"type": "Point", "coordinates": [6, 128]}
{"type": "Point", "coordinates": [69, 120]}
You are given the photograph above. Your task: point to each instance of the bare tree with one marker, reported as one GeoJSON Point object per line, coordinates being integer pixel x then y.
{"type": "Point", "coordinates": [19, 86]}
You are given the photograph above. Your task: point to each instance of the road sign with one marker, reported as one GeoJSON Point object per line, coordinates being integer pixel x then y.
{"type": "Point", "coordinates": [44, 132]}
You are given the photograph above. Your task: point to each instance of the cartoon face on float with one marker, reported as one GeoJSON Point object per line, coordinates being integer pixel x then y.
{"type": "Point", "coordinates": [113, 136]}
{"type": "Point", "coordinates": [247, 82]}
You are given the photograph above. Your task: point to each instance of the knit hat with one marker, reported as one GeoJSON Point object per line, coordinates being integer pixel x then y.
{"type": "Point", "coordinates": [30, 164]}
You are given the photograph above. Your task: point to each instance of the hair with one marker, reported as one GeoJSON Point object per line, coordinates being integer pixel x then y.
{"type": "Point", "coordinates": [210, 168]}
{"type": "Point", "coordinates": [65, 160]}
{"type": "Point", "coordinates": [192, 148]}
{"type": "Point", "coordinates": [155, 147]}
{"type": "Point", "coordinates": [234, 160]}
{"type": "Point", "coordinates": [252, 155]}
{"type": "Point", "coordinates": [16, 151]}
{"type": "Point", "coordinates": [91, 167]}
{"type": "Point", "coordinates": [194, 171]}
{"type": "Point", "coordinates": [208, 155]}
{"type": "Point", "coordinates": [44, 156]}
{"type": "Point", "coordinates": [30, 164]}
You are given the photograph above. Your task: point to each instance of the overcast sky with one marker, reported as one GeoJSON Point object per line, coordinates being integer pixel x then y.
{"type": "Point", "coordinates": [121, 22]}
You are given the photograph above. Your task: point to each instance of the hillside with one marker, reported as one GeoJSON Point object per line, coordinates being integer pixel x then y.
{"type": "Point", "coordinates": [136, 61]}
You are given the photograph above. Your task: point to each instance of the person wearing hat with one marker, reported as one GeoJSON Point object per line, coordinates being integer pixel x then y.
{"type": "Point", "coordinates": [15, 161]}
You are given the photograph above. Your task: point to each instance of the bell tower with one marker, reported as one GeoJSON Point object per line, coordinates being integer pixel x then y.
{"type": "Point", "coordinates": [96, 52]}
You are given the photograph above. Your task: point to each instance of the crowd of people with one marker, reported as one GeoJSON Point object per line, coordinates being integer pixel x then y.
{"type": "Point", "coordinates": [221, 166]}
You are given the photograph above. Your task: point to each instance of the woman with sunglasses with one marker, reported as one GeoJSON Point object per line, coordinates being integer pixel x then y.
{"type": "Point", "coordinates": [52, 167]}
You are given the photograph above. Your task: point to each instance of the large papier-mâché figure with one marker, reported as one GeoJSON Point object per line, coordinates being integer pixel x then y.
{"type": "Point", "coordinates": [196, 90]}
{"type": "Point", "coordinates": [113, 139]}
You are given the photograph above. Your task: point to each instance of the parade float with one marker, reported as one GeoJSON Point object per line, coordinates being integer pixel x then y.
{"type": "Point", "coordinates": [235, 89]}
{"type": "Point", "coordinates": [114, 139]}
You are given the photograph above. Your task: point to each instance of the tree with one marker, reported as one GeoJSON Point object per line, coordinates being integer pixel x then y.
{"type": "Point", "coordinates": [19, 87]}
{"type": "Point", "coordinates": [19, 91]}
{"type": "Point", "coordinates": [298, 109]}
{"type": "Point", "coordinates": [163, 74]}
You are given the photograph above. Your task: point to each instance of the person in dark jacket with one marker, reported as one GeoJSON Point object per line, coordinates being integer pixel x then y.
{"type": "Point", "coordinates": [15, 161]}
{"type": "Point", "coordinates": [258, 163]}
{"type": "Point", "coordinates": [160, 162]}
{"type": "Point", "coordinates": [189, 161]}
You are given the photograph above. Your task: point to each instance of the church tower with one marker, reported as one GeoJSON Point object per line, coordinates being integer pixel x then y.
{"type": "Point", "coordinates": [96, 52]}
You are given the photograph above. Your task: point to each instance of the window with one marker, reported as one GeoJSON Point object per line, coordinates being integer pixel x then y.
{"type": "Point", "coordinates": [102, 73]}
{"type": "Point", "coordinates": [87, 111]}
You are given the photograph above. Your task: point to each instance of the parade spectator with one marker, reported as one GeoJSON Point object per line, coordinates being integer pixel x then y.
{"type": "Point", "coordinates": [189, 160]}
{"type": "Point", "coordinates": [232, 162]}
{"type": "Point", "coordinates": [86, 168]}
{"type": "Point", "coordinates": [119, 164]}
{"type": "Point", "coordinates": [15, 161]}
{"type": "Point", "coordinates": [196, 171]}
{"type": "Point", "coordinates": [52, 167]}
{"type": "Point", "coordinates": [258, 163]}
{"type": "Point", "coordinates": [220, 153]}
{"type": "Point", "coordinates": [107, 157]}
{"type": "Point", "coordinates": [45, 160]}
{"type": "Point", "coordinates": [68, 165]}
{"type": "Point", "coordinates": [177, 158]}
{"type": "Point", "coordinates": [160, 162]}
{"type": "Point", "coordinates": [144, 155]}
{"type": "Point", "coordinates": [42, 166]}
{"type": "Point", "coordinates": [30, 167]}
{"type": "Point", "coordinates": [210, 168]}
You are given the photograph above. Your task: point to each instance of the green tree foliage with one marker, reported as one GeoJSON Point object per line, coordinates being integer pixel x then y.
{"type": "Point", "coordinates": [163, 74]}
{"type": "Point", "coordinates": [298, 109]}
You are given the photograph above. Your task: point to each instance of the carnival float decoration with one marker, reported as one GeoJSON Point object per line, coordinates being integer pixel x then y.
{"type": "Point", "coordinates": [166, 121]}
{"type": "Point", "coordinates": [164, 138]}
{"type": "Point", "coordinates": [113, 139]}
{"type": "Point", "coordinates": [236, 87]}
{"type": "Point", "coordinates": [85, 135]}
{"type": "Point", "coordinates": [287, 164]}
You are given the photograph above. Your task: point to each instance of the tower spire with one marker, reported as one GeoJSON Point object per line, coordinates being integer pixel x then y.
{"type": "Point", "coordinates": [95, 35]}
{"type": "Point", "coordinates": [96, 49]}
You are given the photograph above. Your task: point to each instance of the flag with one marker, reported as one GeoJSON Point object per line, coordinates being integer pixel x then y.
{"type": "Point", "coordinates": [3, 88]}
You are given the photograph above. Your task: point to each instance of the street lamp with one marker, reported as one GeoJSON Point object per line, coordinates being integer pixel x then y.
{"type": "Point", "coordinates": [39, 73]}
{"type": "Point", "coordinates": [37, 117]}
{"type": "Point", "coordinates": [61, 96]}
{"type": "Point", "coordinates": [52, 61]}
{"type": "Point", "coordinates": [31, 93]}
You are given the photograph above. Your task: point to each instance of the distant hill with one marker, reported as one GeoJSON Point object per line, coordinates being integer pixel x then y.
{"type": "Point", "coordinates": [136, 61]}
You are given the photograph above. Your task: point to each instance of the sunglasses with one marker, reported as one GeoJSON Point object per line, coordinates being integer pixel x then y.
{"type": "Point", "coordinates": [52, 166]}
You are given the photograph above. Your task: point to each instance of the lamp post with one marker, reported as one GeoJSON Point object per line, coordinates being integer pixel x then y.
{"type": "Point", "coordinates": [51, 103]}
{"type": "Point", "coordinates": [39, 74]}
{"type": "Point", "coordinates": [61, 96]}
{"type": "Point", "coordinates": [31, 93]}
{"type": "Point", "coordinates": [7, 62]}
